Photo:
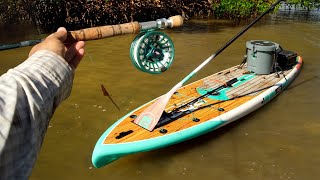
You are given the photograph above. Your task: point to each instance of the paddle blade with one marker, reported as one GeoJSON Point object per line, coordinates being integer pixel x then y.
{"type": "Point", "coordinates": [149, 118]}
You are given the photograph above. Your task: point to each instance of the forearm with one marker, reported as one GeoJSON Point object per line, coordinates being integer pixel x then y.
{"type": "Point", "coordinates": [29, 94]}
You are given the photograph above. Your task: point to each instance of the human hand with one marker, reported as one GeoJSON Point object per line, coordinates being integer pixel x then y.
{"type": "Point", "coordinates": [71, 53]}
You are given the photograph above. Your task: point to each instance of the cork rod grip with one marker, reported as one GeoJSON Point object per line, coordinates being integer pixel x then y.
{"type": "Point", "coordinates": [102, 32]}
{"type": "Point", "coordinates": [176, 21]}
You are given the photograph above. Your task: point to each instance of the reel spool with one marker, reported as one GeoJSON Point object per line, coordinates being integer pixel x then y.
{"type": "Point", "coordinates": [152, 52]}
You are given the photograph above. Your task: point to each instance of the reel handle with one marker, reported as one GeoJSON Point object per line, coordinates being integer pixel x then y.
{"type": "Point", "coordinates": [101, 32]}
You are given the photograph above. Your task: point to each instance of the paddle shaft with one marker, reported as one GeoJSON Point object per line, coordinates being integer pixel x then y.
{"type": "Point", "coordinates": [229, 42]}
{"type": "Point", "coordinates": [149, 118]}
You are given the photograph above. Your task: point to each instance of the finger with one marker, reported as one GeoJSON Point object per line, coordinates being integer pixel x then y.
{"type": "Point", "coordinates": [79, 54]}
{"type": "Point", "coordinates": [61, 34]}
{"type": "Point", "coordinates": [80, 45]}
{"type": "Point", "coordinates": [73, 50]}
{"type": "Point", "coordinates": [77, 59]}
{"type": "Point", "coordinates": [53, 34]}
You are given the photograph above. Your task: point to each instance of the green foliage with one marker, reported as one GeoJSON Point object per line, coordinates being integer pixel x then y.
{"type": "Point", "coordinates": [75, 14]}
{"type": "Point", "coordinates": [243, 9]}
{"type": "Point", "coordinates": [240, 9]}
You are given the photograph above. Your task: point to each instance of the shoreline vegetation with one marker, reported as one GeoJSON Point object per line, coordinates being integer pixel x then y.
{"type": "Point", "coordinates": [48, 15]}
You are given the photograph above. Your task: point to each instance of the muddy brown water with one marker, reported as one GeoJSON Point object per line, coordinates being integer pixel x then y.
{"type": "Point", "coordinates": [279, 141]}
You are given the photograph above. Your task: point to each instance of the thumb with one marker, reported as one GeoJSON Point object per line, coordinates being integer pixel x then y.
{"type": "Point", "coordinates": [61, 34]}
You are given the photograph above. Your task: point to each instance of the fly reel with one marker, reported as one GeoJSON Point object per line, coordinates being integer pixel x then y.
{"type": "Point", "coordinates": [152, 52]}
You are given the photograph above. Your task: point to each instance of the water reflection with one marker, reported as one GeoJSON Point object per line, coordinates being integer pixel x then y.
{"type": "Point", "coordinates": [298, 14]}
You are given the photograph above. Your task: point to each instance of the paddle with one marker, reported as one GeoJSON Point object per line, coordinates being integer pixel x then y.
{"type": "Point", "coordinates": [149, 118]}
{"type": "Point", "coordinates": [108, 31]}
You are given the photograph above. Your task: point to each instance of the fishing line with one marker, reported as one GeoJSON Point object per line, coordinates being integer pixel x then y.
{"type": "Point", "coordinates": [103, 89]}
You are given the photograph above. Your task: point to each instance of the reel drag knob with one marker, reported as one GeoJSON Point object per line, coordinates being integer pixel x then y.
{"type": "Point", "coordinates": [152, 52]}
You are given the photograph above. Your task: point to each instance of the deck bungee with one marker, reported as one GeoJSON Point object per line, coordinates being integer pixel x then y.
{"type": "Point", "coordinates": [189, 111]}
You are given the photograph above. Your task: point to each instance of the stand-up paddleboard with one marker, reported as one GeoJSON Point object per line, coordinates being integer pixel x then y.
{"type": "Point", "coordinates": [205, 105]}
{"type": "Point", "coordinates": [201, 106]}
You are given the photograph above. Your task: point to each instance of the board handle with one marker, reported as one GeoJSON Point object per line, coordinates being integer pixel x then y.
{"type": "Point", "coordinates": [101, 32]}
